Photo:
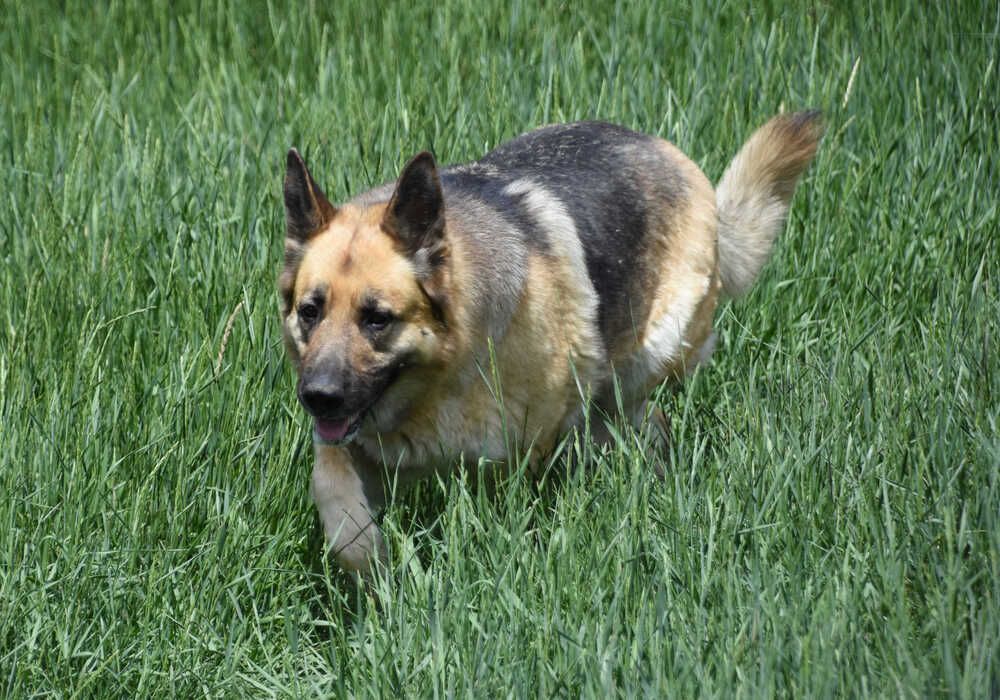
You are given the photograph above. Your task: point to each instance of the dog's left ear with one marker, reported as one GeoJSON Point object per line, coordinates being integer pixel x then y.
{"type": "Point", "coordinates": [415, 214]}
{"type": "Point", "coordinates": [415, 218]}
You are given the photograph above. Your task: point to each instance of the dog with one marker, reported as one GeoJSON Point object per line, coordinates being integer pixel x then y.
{"type": "Point", "coordinates": [563, 276]}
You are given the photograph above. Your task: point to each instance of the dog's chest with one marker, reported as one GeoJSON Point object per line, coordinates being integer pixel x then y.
{"type": "Point", "coordinates": [467, 429]}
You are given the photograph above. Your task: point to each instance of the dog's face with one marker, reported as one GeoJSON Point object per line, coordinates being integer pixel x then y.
{"type": "Point", "coordinates": [363, 293]}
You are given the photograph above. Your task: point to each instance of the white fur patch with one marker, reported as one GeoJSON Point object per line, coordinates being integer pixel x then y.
{"type": "Point", "coordinates": [665, 340]}
{"type": "Point", "coordinates": [293, 337]}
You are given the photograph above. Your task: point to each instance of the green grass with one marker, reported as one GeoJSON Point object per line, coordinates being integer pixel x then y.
{"type": "Point", "coordinates": [830, 520]}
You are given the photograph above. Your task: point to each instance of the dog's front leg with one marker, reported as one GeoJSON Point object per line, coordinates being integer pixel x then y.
{"type": "Point", "coordinates": [349, 495]}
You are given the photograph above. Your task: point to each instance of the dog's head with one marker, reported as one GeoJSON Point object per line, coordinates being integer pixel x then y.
{"type": "Point", "coordinates": [363, 294]}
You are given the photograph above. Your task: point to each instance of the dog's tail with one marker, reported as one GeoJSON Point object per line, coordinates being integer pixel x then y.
{"type": "Point", "coordinates": [753, 196]}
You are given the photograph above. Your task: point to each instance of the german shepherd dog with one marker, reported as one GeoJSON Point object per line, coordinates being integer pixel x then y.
{"type": "Point", "coordinates": [561, 277]}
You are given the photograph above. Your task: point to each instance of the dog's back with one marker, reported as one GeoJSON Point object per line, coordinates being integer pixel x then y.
{"type": "Point", "coordinates": [588, 249]}
{"type": "Point", "coordinates": [605, 186]}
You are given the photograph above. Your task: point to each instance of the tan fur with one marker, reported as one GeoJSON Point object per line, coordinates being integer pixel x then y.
{"type": "Point", "coordinates": [508, 401]}
{"type": "Point", "coordinates": [487, 395]}
{"type": "Point", "coordinates": [755, 191]}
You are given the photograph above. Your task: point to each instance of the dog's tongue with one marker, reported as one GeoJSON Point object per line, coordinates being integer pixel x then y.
{"type": "Point", "coordinates": [332, 429]}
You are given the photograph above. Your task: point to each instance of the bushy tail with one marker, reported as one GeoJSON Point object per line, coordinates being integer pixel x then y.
{"type": "Point", "coordinates": [753, 196]}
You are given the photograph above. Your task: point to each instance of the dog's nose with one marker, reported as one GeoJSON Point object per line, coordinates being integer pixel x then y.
{"type": "Point", "coordinates": [322, 401]}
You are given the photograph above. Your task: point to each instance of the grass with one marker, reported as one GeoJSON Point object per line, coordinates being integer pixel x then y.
{"type": "Point", "coordinates": [830, 520]}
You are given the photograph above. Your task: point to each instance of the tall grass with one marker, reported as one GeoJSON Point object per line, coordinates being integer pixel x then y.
{"type": "Point", "coordinates": [828, 522]}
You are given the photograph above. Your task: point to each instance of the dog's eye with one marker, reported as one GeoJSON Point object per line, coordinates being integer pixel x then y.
{"type": "Point", "coordinates": [309, 312]}
{"type": "Point", "coordinates": [376, 320]}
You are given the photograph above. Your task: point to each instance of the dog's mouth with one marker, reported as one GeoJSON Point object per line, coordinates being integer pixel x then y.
{"type": "Point", "coordinates": [337, 432]}
{"type": "Point", "coordinates": [333, 428]}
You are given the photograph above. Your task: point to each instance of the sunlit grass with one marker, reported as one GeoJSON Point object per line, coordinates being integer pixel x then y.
{"type": "Point", "coordinates": [828, 519]}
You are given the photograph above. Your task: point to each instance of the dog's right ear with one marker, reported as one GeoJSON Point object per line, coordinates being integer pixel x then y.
{"type": "Point", "coordinates": [307, 210]}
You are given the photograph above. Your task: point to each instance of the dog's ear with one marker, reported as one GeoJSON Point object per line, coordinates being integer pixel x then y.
{"type": "Point", "coordinates": [415, 218]}
{"type": "Point", "coordinates": [415, 214]}
{"type": "Point", "coordinates": [307, 210]}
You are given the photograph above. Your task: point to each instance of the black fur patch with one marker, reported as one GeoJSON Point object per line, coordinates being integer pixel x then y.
{"type": "Point", "coordinates": [597, 171]}
{"type": "Point", "coordinates": [488, 187]}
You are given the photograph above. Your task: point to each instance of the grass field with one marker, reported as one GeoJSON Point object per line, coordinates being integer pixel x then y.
{"type": "Point", "coordinates": [830, 520]}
